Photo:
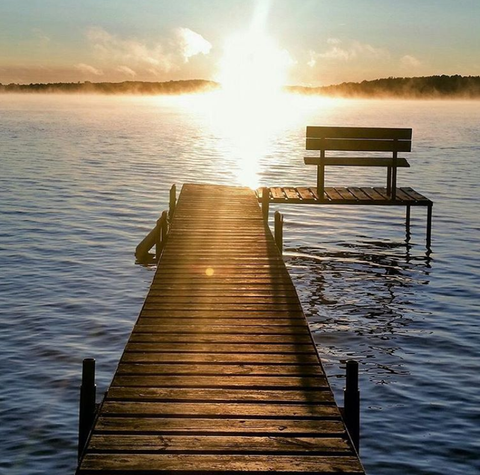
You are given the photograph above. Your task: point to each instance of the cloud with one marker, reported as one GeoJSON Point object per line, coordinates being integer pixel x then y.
{"type": "Point", "coordinates": [40, 36]}
{"type": "Point", "coordinates": [127, 71]}
{"type": "Point", "coordinates": [312, 61]}
{"type": "Point", "coordinates": [353, 51]}
{"type": "Point", "coordinates": [111, 48]}
{"type": "Point", "coordinates": [87, 69]}
{"type": "Point", "coordinates": [131, 56]}
{"type": "Point", "coordinates": [410, 61]}
{"type": "Point", "coordinates": [192, 43]}
{"type": "Point", "coordinates": [333, 41]}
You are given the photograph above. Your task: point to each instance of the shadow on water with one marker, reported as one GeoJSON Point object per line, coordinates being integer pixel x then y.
{"type": "Point", "coordinates": [359, 301]}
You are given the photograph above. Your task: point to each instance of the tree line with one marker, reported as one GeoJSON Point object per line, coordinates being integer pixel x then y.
{"type": "Point", "coordinates": [435, 87]}
{"type": "Point", "coordinates": [467, 87]}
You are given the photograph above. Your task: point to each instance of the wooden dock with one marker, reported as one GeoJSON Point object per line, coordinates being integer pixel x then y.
{"type": "Point", "coordinates": [220, 374]}
{"type": "Point", "coordinates": [341, 195]}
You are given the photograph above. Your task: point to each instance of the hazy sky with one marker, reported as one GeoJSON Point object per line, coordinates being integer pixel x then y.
{"type": "Point", "coordinates": [322, 41]}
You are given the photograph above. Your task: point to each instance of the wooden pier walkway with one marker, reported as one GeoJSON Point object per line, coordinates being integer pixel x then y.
{"type": "Point", "coordinates": [220, 374]}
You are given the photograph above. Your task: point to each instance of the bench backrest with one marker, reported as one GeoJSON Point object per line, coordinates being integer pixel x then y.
{"type": "Point", "coordinates": [365, 139]}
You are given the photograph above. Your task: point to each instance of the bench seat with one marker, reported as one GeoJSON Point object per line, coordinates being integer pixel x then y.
{"type": "Point", "coordinates": [358, 161]}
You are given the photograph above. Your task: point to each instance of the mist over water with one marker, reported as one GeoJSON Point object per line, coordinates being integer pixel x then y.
{"type": "Point", "coordinates": [83, 179]}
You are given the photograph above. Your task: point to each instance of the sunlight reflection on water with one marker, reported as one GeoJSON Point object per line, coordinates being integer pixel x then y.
{"type": "Point", "coordinates": [82, 179]}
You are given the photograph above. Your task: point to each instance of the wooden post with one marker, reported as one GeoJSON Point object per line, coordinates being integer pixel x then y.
{"type": "Point", "coordinates": [352, 403]}
{"type": "Point", "coordinates": [265, 203]}
{"type": "Point", "coordinates": [88, 391]}
{"type": "Point", "coordinates": [158, 239]}
{"type": "Point", "coordinates": [279, 231]}
{"type": "Point", "coordinates": [173, 201]}
{"type": "Point", "coordinates": [164, 219]}
{"type": "Point", "coordinates": [429, 226]}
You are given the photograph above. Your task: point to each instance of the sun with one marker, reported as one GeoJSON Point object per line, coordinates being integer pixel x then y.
{"type": "Point", "coordinates": [253, 67]}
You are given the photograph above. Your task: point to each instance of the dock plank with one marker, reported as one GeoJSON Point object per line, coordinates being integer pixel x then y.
{"type": "Point", "coordinates": [351, 195]}
{"type": "Point", "coordinates": [220, 373]}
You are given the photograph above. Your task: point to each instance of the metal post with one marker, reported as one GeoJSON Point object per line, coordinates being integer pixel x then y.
{"type": "Point", "coordinates": [389, 180]}
{"type": "Point", "coordinates": [395, 169]}
{"type": "Point", "coordinates": [429, 226]}
{"type": "Point", "coordinates": [88, 391]}
{"type": "Point", "coordinates": [352, 403]}
{"type": "Point", "coordinates": [173, 201]}
{"type": "Point", "coordinates": [321, 177]}
{"type": "Point", "coordinates": [279, 231]}
{"type": "Point", "coordinates": [265, 203]}
{"type": "Point", "coordinates": [407, 222]}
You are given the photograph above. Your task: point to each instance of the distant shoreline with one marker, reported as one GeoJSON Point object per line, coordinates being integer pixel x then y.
{"type": "Point", "coordinates": [428, 87]}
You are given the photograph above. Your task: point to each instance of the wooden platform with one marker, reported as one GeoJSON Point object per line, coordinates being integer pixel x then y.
{"type": "Point", "coordinates": [346, 196]}
{"type": "Point", "coordinates": [220, 374]}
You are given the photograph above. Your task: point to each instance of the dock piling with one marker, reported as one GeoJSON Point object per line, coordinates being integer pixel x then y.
{"type": "Point", "coordinates": [172, 202]}
{"type": "Point", "coordinates": [158, 240]}
{"type": "Point", "coordinates": [352, 403]}
{"type": "Point", "coordinates": [88, 391]}
{"type": "Point", "coordinates": [164, 219]}
{"type": "Point", "coordinates": [279, 231]}
{"type": "Point", "coordinates": [265, 203]}
{"type": "Point", "coordinates": [429, 227]}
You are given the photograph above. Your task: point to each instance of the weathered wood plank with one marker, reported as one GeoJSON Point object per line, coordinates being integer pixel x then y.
{"type": "Point", "coordinates": [359, 194]}
{"type": "Point", "coordinates": [205, 409]}
{"type": "Point", "coordinates": [215, 347]}
{"type": "Point", "coordinates": [291, 193]}
{"type": "Point", "coordinates": [415, 195]}
{"type": "Point", "coordinates": [219, 464]}
{"type": "Point", "coordinates": [141, 327]}
{"type": "Point", "coordinates": [277, 193]}
{"type": "Point", "coordinates": [358, 145]}
{"type": "Point", "coordinates": [358, 161]}
{"type": "Point", "coordinates": [240, 358]}
{"type": "Point", "coordinates": [318, 396]}
{"type": "Point", "coordinates": [306, 193]}
{"type": "Point", "coordinates": [219, 338]}
{"type": "Point", "coordinates": [306, 382]}
{"type": "Point", "coordinates": [220, 361]}
{"type": "Point", "coordinates": [215, 444]}
{"type": "Point", "coordinates": [218, 369]}
{"type": "Point", "coordinates": [224, 426]}
{"type": "Point", "coordinates": [373, 133]}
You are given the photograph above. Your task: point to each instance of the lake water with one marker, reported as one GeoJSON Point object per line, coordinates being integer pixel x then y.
{"type": "Point", "coordinates": [82, 179]}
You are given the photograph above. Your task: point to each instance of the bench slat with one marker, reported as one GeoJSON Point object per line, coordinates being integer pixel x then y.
{"type": "Point", "coordinates": [359, 133]}
{"type": "Point", "coordinates": [357, 161]}
{"type": "Point", "coordinates": [359, 145]}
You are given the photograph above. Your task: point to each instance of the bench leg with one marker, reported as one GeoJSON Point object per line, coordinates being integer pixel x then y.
{"type": "Point", "coordinates": [321, 182]}
{"type": "Point", "coordinates": [389, 180]}
{"type": "Point", "coordinates": [394, 182]}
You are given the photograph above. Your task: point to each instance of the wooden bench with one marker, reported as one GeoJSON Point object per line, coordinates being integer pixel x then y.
{"type": "Point", "coordinates": [359, 139]}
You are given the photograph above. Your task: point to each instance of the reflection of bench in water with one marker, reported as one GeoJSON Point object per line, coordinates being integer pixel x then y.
{"type": "Point", "coordinates": [355, 139]}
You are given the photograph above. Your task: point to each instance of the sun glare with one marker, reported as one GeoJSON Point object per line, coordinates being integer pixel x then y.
{"type": "Point", "coordinates": [250, 105]}
{"type": "Point", "coordinates": [253, 68]}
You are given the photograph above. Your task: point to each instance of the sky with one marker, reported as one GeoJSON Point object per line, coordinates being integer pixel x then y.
{"type": "Point", "coordinates": [319, 42]}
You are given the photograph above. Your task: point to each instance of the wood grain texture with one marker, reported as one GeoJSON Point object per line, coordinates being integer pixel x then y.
{"type": "Point", "coordinates": [352, 195]}
{"type": "Point", "coordinates": [220, 373]}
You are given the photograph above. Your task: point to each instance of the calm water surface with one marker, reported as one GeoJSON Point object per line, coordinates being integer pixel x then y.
{"type": "Point", "coordinates": [82, 179]}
